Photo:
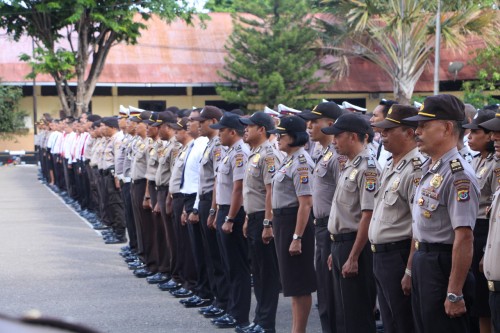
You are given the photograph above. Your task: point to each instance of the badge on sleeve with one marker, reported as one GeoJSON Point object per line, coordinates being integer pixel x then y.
{"type": "Point", "coordinates": [304, 179]}
{"type": "Point", "coordinates": [270, 164]}
{"type": "Point", "coordinates": [239, 161]}
{"type": "Point", "coordinates": [371, 181]}
{"type": "Point", "coordinates": [463, 186]}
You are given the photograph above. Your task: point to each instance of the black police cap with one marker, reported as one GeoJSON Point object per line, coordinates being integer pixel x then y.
{"type": "Point", "coordinates": [259, 118]}
{"type": "Point", "coordinates": [349, 122]}
{"type": "Point", "coordinates": [229, 120]}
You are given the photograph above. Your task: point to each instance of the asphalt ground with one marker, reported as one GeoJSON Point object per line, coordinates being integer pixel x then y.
{"type": "Point", "coordinates": [53, 262]}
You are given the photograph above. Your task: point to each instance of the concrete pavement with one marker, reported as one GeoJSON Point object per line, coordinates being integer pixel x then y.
{"type": "Point", "coordinates": [52, 261]}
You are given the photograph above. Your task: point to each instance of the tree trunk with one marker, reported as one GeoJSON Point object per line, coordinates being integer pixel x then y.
{"type": "Point", "coordinates": [62, 96]}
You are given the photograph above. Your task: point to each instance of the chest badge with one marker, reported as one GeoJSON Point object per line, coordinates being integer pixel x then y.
{"type": "Point", "coordinates": [395, 185]}
{"type": "Point", "coordinates": [352, 175]}
{"type": "Point", "coordinates": [256, 158]}
{"type": "Point", "coordinates": [436, 180]}
{"type": "Point", "coordinates": [482, 172]}
{"type": "Point", "coordinates": [427, 214]}
{"type": "Point", "coordinates": [421, 201]}
{"type": "Point", "coordinates": [206, 155]}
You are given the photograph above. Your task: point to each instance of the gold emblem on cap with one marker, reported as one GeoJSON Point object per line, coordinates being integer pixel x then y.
{"type": "Point", "coordinates": [421, 107]}
{"type": "Point", "coordinates": [436, 180]}
{"type": "Point", "coordinates": [353, 174]}
{"type": "Point", "coordinates": [427, 214]}
{"type": "Point", "coordinates": [390, 110]}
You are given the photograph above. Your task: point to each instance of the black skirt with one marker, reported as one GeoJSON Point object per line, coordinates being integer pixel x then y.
{"type": "Point", "coordinates": [298, 277]}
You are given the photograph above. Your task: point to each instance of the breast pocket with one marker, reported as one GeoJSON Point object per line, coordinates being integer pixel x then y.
{"type": "Point", "coordinates": [225, 168]}
{"type": "Point", "coordinates": [321, 171]}
{"type": "Point", "coordinates": [431, 218]}
{"type": "Point", "coordinates": [254, 171]}
{"type": "Point", "coordinates": [279, 177]}
{"type": "Point", "coordinates": [348, 196]}
{"type": "Point", "coordinates": [391, 209]}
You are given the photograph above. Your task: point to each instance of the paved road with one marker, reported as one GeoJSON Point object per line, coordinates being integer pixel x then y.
{"type": "Point", "coordinates": [52, 261]}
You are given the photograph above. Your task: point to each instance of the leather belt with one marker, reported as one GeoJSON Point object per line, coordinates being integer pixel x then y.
{"type": "Point", "coordinates": [494, 286]}
{"type": "Point", "coordinates": [285, 211]}
{"type": "Point", "coordinates": [348, 236]}
{"type": "Point", "coordinates": [206, 196]}
{"type": "Point", "coordinates": [162, 188]}
{"type": "Point", "coordinates": [254, 216]}
{"type": "Point", "coordinates": [400, 245]}
{"type": "Point", "coordinates": [183, 195]}
{"type": "Point", "coordinates": [138, 181]}
{"type": "Point", "coordinates": [321, 222]}
{"type": "Point", "coordinates": [108, 171]}
{"type": "Point", "coordinates": [223, 206]}
{"type": "Point", "coordinates": [433, 247]}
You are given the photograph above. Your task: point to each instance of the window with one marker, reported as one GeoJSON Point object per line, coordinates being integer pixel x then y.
{"type": "Point", "coordinates": [153, 105]}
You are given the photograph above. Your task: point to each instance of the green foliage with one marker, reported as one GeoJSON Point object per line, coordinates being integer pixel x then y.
{"type": "Point", "coordinates": [220, 6]}
{"type": "Point", "coordinates": [11, 119]}
{"type": "Point", "coordinates": [270, 55]}
{"type": "Point", "coordinates": [479, 91]}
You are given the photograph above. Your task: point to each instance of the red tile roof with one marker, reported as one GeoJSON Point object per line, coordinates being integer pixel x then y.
{"type": "Point", "coordinates": [182, 55]}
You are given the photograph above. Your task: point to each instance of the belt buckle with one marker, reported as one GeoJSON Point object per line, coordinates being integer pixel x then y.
{"type": "Point", "coordinates": [491, 286]}
{"type": "Point", "coordinates": [416, 245]}
{"type": "Point", "coordinates": [332, 237]}
{"type": "Point", "coordinates": [373, 248]}
{"type": "Point", "coordinates": [315, 222]}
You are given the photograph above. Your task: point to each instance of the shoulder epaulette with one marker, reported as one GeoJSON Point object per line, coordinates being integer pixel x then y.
{"type": "Point", "coordinates": [357, 161]}
{"type": "Point", "coordinates": [417, 163]}
{"type": "Point", "coordinates": [478, 154]}
{"type": "Point", "coordinates": [302, 159]}
{"type": "Point", "coordinates": [371, 162]}
{"type": "Point", "coordinates": [489, 157]}
{"type": "Point", "coordinates": [401, 165]}
{"type": "Point", "coordinates": [456, 166]}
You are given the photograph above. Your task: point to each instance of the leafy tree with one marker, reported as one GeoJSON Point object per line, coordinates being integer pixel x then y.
{"type": "Point", "coordinates": [11, 118]}
{"type": "Point", "coordinates": [479, 92]}
{"type": "Point", "coordinates": [399, 35]}
{"type": "Point", "coordinates": [220, 6]}
{"type": "Point", "coordinates": [270, 58]}
{"type": "Point", "coordinates": [73, 37]}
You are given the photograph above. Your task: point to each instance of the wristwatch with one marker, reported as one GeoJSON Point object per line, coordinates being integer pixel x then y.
{"type": "Point", "coordinates": [454, 298]}
{"type": "Point", "coordinates": [229, 219]}
{"type": "Point", "coordinates": [296, 237]}
{"type": "Point", "coordinates": [267, 223]}
{"type": "Point", "coordinates": [195, 211]}
{"type": "Point", "coordinates": [211, 212]}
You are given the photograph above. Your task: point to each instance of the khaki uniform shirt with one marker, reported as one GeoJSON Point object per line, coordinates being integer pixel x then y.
{"type": "Point", "coordinates": [324, 180]}
{"type": "Point", "coordinates": [152, 158]}
{"type": "Point", "coordinates": [391, 220]}
{"type": "Point", "coordinates": [261, 167]}
{"type": "Point", "coordinates": [292, 180]}
{"type": "Point", "coordinates": [487, 180]}
{"type": "Point", "coordinates": [176, 176]}
{"type": "Point", "coordinates": [100, 153]}
{"type": "Point", "coordinates": [492, 248]}
{"type": "Point", "coordinates": [111, 150]}
{"type": "Point", "coordinates": [87, 152]}
{"type": "Point", "coordinates": [140, 162]}
{"type": "Point", "coordinates": [231, 168]}
{"type": "Point", "coordinates": [446, 198]}
{"type": "Point", "coordinates": [129, 156]}
{"type": "Point", "coordinates": [121, 155]}
{"type": "Point", "coordinates": [166, 160]}
{"type": "Point", "coordinates": [355, 192]}
{"type": "Point", "coordinates": [209, 162]}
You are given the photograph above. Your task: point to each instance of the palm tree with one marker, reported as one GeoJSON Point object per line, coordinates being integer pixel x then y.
{"type": "Point", "coordinates": [399, 35]}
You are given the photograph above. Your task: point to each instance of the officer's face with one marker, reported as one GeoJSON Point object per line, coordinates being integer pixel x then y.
{"type": "Point", "coordinates": [392, 138]}
{"type": "Point", "coordinates": [152, 131]}
{"type": "Point", "coordinates": [204, 128]}
{"type": "Point", "coordinates": [378, 115]}
{"type": "Point", "coordinates": [495, 136]}
{"type": "Point", "coordinates": [430, 134]}
{"type": "Point", "coordinates": [131, 125]}
{"type": "Point", "coordinates": [251, 133]}
{"type": "Point", "coordinates": [181, 135]}
{"type": "Point", "coordinates": [478, 140]}
{"type": "Point", "coordinates": [284, 140]}
{"type": "Point", "coordinates": [141, 129]}
{"type": "Point", "coordinates": [342, 143]}
{"type": "Point", "coordinates": [315, 127]}
{"type": "Point", "coordinates": [225, 136]}
{"type": "Point", "coordinates": [122, 123]}
{"type": "Point", "coordinates": [194, 126]}
{"type": "Point", "coordinates": [165, 132]}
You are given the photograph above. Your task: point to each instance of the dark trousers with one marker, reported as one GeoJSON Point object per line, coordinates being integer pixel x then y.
{"type": "Point", "coordinates": [101, 192]}
{"type": "Point", "coordinates": [495, 311]}
{"type": "Point", "coordinates": [234, 251]}
{"type": "Point", "coordinates": [324, 279]}
{"type": "Point", "coordinates": [164, 249]}
{"type": "Point", "coordinates": [185, 268]}
{"type": "Point", "coordinates": [354, 296]}
{"type": "Point", "coordinates": [114, 206]}
{"type": "Point", "coordinates": [94, 196]}
{"type": "Point", "coordinates": [202, 288]}
{"type": "Point", "coordinates": [215, 269]}
{"type": "Point", "coordinates": [266, 275]}
{"type": "Point", "coordinates": [395, 308]}
{"type": "Point", "coordinates": [148, 235]}
{"type": "Point", "coordinates": [137, 191]}
{"type": "Point", "coordinates": [58, 172]}
{"type": "Point", "coordinates": [129, 215]}
{"type": "Point", "coordinates": [77, 180]}
{"type": "Point", "coordinates": [69, 178]}
{"type": "Point", "coordinates": [430, 275]}
{"type": "Point", "coordinates": [156, 225]}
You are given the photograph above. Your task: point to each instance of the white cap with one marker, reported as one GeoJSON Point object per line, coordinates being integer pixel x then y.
{"type": "Point", "coordinates": [417, 104]}
{"type": "Point", "coordinates": [324, 101]}
{"type": "Point", "coordinates": [349, 106]}
{"type": "Point", "coordinates": [283, 109]}
{"type": "Point", "coordinates": [271, 112]}
{"type": "Point", "coordinates": [123, 111]}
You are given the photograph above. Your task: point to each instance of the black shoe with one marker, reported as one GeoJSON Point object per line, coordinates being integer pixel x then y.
{"type": "Point", "coordinates": [198, 302]}
{"type": "Point", "coordinates": [169, 285]}
{"type": "Point", "coordinates": [115, 240]}
{"type": "Point", "coordinates": [142, 273]}
{"type": "Point", "coordinates": [136, 265]}
{"type": "Point", "coordinates": [193, 298]}
{"type": "Point", "coordinates": [100, 226]}
{"type": "Point", "coordinates": [157, 278]}
{"type": "Point", "coordinates": [244, 329]}
{"type": "Point", "coordinates": [130, 258]}
{"type": "Point", "coordinates": [205, 309]}
{"type": "Point", "coordinates": [226, 321]}
{"type": "Point", "coordinates": [125, 248]}
{"type": "Point", "coordinates": [257, 329]}
{"type": "Point", "coordinates": [181, 293]}
{"type": "Point", "coordinates": [214, 313]}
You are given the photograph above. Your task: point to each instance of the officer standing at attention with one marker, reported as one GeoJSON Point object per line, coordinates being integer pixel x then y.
{"type": "Point", "coordinates": [261, 167]}
{"type": "Point", "coordinates": [491, 258]}
{"type": "Point", "coordinates": [390, 231]}
{"type": "Point", "coordinates": [350, 215]}
{"type": "Point", "coordinates": [444, 214]}
{"type": "Point", "coordinates": [292, 222]}
{"type": "Point", "coordinates": [230, 219]}
{"type": "Point", "coordinates": [325, 178]}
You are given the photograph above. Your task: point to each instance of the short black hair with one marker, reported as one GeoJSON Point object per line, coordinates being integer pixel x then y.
{"type": "Point", "coordinates": [298, 138]}
{"type": "Point", "coordinates": [386, 103]}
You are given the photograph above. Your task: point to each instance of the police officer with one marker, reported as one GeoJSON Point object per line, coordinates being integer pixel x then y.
{"type": "Point", "coordinates": [484, 164]}
{"type": "Point", "coordinates": [292, 223]}
{"type": "Point", "coordinates": [444, 213]}
{"type": "Point", "coordinates": [379, 114]}
{"type": "Point", "coordinates": [491, 258]}
{"type": "Point", "coordinates": [262, 163]}
{"type": "Point", "coordinates": [390, 231]}
{"type": "Point", "coordinates": [230, 219]}
{"type": "Point", "coordinates": [350, 215]}
{"type": "Point", "coordinates": [325, 178]}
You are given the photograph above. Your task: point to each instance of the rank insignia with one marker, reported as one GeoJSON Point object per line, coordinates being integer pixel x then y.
{"type": "Point", "coordinates": [205, 156]}
{"type": "Point", "coordinates": [401, 165]}
{"type": "Point", "coordinates": [352, 175]}
{"type": "Point", "coordinates": [181, 156]}
{"type": "Point", "coordinates": [456, 166]}
{"type": "Point", "coordinates": [304, 179]}
{"type": "Point", "coordinates": [256, 158]}
{"type": "Point", "coordinates": [288, 164]}
{"type": "Point", "coordinates": [328, 156]}
{"type": "Point", "coordinates": [302, 159]}
{"type": "Point", "coordinates": [427, 214]}
{"type": "Point", "coordinates": [152, 152]}
{"type": "Point", "coordinates": [436, 180]}
{"type": "Point", "coordinates": [421, 201]}
{"type": "Point", "coordinates": [416, 181]}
